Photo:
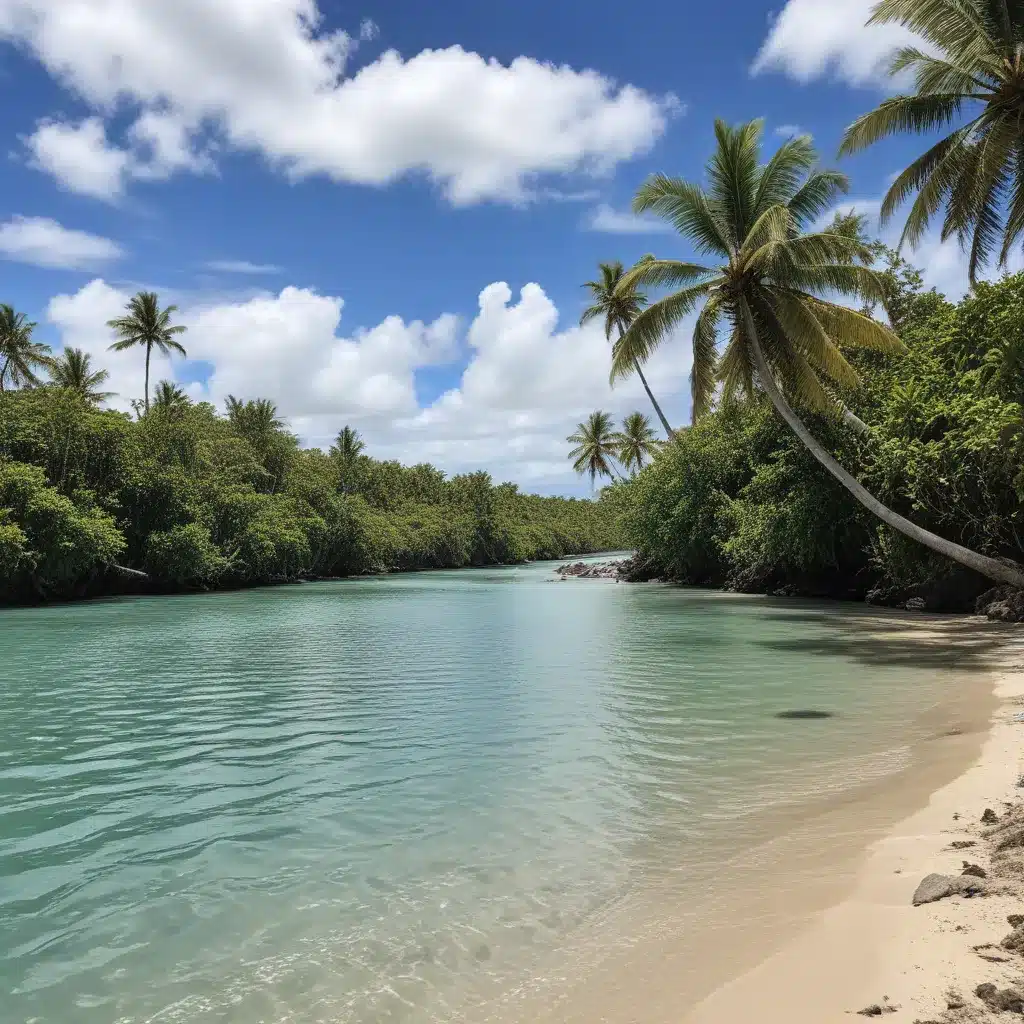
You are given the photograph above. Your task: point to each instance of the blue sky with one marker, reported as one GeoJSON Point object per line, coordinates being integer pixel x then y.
{"type": "Point", "coordinates": [346, 202]}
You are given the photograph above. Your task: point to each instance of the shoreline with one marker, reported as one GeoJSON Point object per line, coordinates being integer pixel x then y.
{"type": "Point", "coordinates": [874, 948]}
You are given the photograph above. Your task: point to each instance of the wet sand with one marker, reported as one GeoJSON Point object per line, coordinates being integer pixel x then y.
{"type": "Point", "coordinates": [813, 922]}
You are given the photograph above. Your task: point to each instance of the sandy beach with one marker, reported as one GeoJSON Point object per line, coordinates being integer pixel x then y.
{"type": "Point", "coordinates": [874, 948]}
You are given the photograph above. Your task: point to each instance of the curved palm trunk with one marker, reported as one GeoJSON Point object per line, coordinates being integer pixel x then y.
{"type": "Point", "coordinates": [993, 568]}
{"type": "Point", "coordinates": [149, 349]}
{"type": "Point", "coordinates": [669, 432]}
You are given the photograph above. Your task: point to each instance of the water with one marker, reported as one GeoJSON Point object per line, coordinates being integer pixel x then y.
{"type": "Point", "coordinates": [392, 799]}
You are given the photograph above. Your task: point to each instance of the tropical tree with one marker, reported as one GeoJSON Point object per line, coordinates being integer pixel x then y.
{"type": "Point", "coordinates": [783, 336]}
{"type": "Point", "coordinates": [20, 356]}
{"type": "Point", "coordinates": [636, 441]}
{"type": "Point", "coordinates": [597, 447]}
{"type": "Point", "coordinates": [72, 369]}
{"type": "Point", "coordinates": [256, 420]}
{"type": "Point", "coordinates": [146, 324]}
{"type": "Point", "coordinates": [619, 306]}
{"type": "Point", "coordinates": [971, 71]}
{"type": "Point", "coordinates": [348, 445]}
{"type": "Point", "coordinates": [169, 399]}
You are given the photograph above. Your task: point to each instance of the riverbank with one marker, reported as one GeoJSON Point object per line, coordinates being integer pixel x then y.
{"type": "Point", "coordinates": [874, 948]}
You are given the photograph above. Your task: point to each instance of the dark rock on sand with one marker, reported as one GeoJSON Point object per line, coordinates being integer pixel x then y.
{"type": "Point", "coordinates": [805, 713]}
{"type": "Point", "coordinates": [974, 869]}
{"type": "Point", "coordinates": [1002, 604]}
{"type": "Point", "coordinates": [989, 817]}
{"type": "Point", "coordinates": [1008, 999]}
{"type": "Point", "coordinates": [1014, 942]}
{"type": "Point", "coordinates": [876, 1010]}
{"type": "Point", "coordinates": [963, 844]}
{"type": "Point", "coordinates": [1015, 920]}
{"type": "Point", "coordinates": [938, 887]}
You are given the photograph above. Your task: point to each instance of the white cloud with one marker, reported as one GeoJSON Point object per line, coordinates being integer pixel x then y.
{"type": "Point", "coordinates": [263, 76]}
{"type": "Point", "coordinates": [80, 158]}
{"type": "Point", "coordinates": [525, 384]}
{"type": "Point", "coordinates": [788, 131]}
{"type": "Point", "coordinates": [812, 38]}
{"type": "Point", "coordinates": [45, 243]}
{"type": "Point", "coordinates": [241, 267]}
{"type": "Point", "coordinates": [623, 222]}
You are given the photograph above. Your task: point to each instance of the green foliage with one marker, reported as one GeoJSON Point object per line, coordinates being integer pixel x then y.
{"type": "Point", "coordinates": [738, 501]}
{"type": "Point", "coordinates": [199, 500]}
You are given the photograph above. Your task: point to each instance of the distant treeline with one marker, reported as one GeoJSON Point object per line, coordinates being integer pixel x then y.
{"type": "Point", "coordinates": [92, 499]}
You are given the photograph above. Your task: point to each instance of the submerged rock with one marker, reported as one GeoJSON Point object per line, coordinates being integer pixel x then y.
{"type": "Point", "coordinates": [805, 713]}
{"type": "Point", "coordinates": [938, 887]}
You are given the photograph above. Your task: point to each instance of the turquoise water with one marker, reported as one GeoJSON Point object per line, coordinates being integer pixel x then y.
{"type": "Point", "coordinates": [389, 799]}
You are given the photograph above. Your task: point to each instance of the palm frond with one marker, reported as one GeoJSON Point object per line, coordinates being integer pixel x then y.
{"type": "Point", "coordinates": [899, 115]}
{"type": "Point", "coordinates": [687, 208]}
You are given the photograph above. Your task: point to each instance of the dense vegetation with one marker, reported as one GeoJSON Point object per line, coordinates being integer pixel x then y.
{"type": "Point", "coordinates": [738, 500]}
{"type": "Point", "coordinates": [198, 500]}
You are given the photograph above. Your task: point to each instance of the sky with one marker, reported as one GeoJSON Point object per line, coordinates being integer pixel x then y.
{"type": "Point", "coordinates": [383, 214]}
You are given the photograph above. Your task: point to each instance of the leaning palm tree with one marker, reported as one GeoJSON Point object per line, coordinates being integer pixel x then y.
{"type": "Point", "coordinates": [971, 73]}
{"type": "Point", "coordinates": [597, 447]}
{"type": "Point", "coordinates": [148, 325]}
{"type": "Point", "coordinates": [72, 369]}
{"type": "Point", "coordinates": [619, 306]}
{"type": "Point", "coordinates": [637, 442]}
{"type": "Point", "coordinates": [20, 356]}
{"type": "Point", "coordinates": [767, 291]}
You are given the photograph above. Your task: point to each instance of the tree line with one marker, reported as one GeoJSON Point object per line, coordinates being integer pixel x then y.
{"type": "Point", "coordinates": [812, 320]}
{"type": "Point", "coordinates": [181, 496]}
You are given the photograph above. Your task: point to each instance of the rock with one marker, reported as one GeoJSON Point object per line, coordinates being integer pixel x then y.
{"type": "Point", "coordinates": [1015, 940]}
{"type": "Point", "coordinates": [595, 571]}
{"type": "Point", "coordinates": [975, 870]}
{"type": "Point", "coordinates": [876, 1010]}
{"type": "Point", "coordinates": [989, 817]}
{"type": "Point", "coordinates": [938, 887]}
{"type": "Point", "coordinates": [1002, 604]}
{"type": "Point", "coordinates": [1009, 999]}
{"type": "Point", "coordinates": [954, 1001]}
{"type": "Point", "coordinates": [963, 844]}
{"type": "Point", "coordinates": [915, 604]}
{"type": "Point", "coordinates": [1015, 920]}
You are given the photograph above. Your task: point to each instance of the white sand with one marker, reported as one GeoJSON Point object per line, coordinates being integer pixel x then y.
{"type": "Point", "coordinates": [875, 944]}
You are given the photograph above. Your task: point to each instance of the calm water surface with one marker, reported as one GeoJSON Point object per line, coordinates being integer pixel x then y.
{"type": "Point", "coordinates": [389, 799]}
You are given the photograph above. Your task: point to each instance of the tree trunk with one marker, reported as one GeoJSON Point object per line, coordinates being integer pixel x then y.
{"type": "Point", "coordinates": [3, 373]}
{"type": "Point", "coordinates": [149, 349]}
{"type": "Point", "coordinates": [993, 568]}
{"type": "Point", "coordinates": [669, 432]}
{"type": "Point", "coordinates": [854, 422]}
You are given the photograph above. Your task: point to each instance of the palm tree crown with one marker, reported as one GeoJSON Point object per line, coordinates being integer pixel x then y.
{"type": "Point", "coordinates": [72, 369]}
{"type": "Point", "coordinates": [256, 420]}
{"type": "Point", "coordinates": [636, 441]}
{"type": "Point", "coordinates": [20, 356]}
{"type": "Point", "coordinates": [767, 290]}
{"type": "Point", "coordinates": [596, 446]}
{"type": "Point", "coordinates": [974, 68]}
{"type": "Point", "coordinates": [618, 304]}
{"type": "Point", "coordinates": [348, 445]}
{"type": "Point", "coordinates": [146, 324]}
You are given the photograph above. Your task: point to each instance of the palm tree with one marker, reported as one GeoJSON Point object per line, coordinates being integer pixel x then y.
{"type": "Point", "coordinates": [20, 356]}
{"type": "Point", "coordinates": [169, 399]}
{"type": "Point", "coordinates": [636, 441]}
{"type": "Point", "coordinates": [148, 325]}
{"type": "Point", "coordinates": [619, 307]}
{"type": "Point", "coordinates": [348, 445]}
{"type": "Point", "coordinates": [974, 70]}
{"type": "Point", "coordinates": [783, 336]}
{"type": "Point", "coordinates": [596, 447]}
{"type": "Point", "coordinates": [72, 370]}
{"type": "Point", "coordinates": [255, 420]}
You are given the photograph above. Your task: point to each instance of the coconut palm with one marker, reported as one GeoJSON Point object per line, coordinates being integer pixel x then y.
{"type": "Point", "coordinates": [348, 445]}
{"type": "Point", "coordinates": [619, 307]}
{"type": "Point", "coordinates": [256, 420]}
{"type": "Point", "coordinates": [72, 369]}
{"type": "Point", "coordinates": [148, 325]}
{"type": "Point", "coordinates": [971, 73]}
{"type": "Point", "coordinates": [169, 399]}
{"type": "Point", "coordinates": [636, 441]}
{"type": "Point", "coordinates": [596, 447]}
{"type": "Point", "coordinates": [20, 356]}
{"type": "Point", "coordinates": [783, 337]}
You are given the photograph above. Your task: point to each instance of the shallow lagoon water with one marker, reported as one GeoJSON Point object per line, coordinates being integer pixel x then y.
{"type": "Point", "coordinates": [393, 799]}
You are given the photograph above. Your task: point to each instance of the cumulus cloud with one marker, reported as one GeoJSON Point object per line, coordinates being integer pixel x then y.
{"type": "Point", "coordinates": [623, 222]}
{"type": "Point", "coordinates": [522, 381]}
{"type": "Point", "coordinates": [812, 38]}
{"type": "Point", "coordinates": [43, 242]}
{"type": "Point", "coordinates": [264, 76]}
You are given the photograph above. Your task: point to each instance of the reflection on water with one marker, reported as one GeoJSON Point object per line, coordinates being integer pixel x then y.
{"type": "Point", "coordinates": [385, 799]}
